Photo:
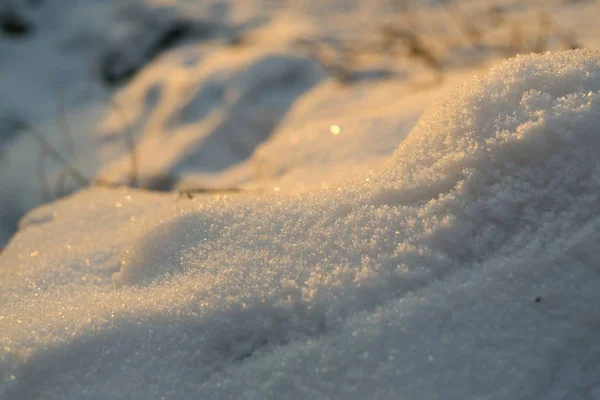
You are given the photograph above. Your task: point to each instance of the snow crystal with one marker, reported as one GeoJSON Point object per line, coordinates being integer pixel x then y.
{"type": "Point", "coordinates": [463, 268]}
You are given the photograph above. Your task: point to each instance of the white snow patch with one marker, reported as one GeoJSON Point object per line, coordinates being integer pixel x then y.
{"type": "Point", "coordinates": [209, 118]}
{"type": "Point", "coordinates": [466, 267]}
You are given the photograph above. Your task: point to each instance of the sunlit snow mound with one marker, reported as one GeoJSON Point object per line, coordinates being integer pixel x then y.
{"type": "Point", "coordinates": [465, 268]}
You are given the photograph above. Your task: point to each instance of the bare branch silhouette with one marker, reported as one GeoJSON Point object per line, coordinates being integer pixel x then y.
{"type": "Point", "coordinates": [189, 193]}
{"type": "Point", "coordinates": [47, 150]}
{"type": "Point", "coordinates": [414, 36]}
{"type": "Point", "coordinates": [40, 169]}
{"type": "Point", "coordinates": [61, 118]}
{"type": "Point", "coordinates": [55, 154]}
{"type": "Point", "coordinates": [130, 144]}
{"type": "Point", "coordinates": [60, 187]}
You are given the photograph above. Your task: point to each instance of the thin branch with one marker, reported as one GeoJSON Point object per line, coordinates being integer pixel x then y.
{"type": "Point", "coordinates": [48, 150]}
{"type": "Point", "coordinates": [60, 185]}
{"type": "Point", "coordinates": [414, 46]}
{"type": "Point", "coordinates": [189, 193]}
{"type": "Point", "coordinates": [130, 144]}
{"type": "Point", "coordinates": [40, 169]}
{"type": "Point", "coordinates": [55, 154]}
{"type": "Point", "coordinates": [61, 118]}
{"type": "Point", "coordinates": [129, 137]}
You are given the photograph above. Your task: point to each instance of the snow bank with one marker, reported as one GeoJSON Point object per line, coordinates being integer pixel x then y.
{"type": "Point", "coordinates": [207, 118]}
{"type": "Point", "coordinates": [463, 268]}
{"type": "Point", "coordinates": [89, 48]}
{"type": "Point", "coordinates": [62, 96]}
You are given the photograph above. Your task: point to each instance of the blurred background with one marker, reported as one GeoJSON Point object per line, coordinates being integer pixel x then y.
{"type": "Point", "coordinates": [197, 97]}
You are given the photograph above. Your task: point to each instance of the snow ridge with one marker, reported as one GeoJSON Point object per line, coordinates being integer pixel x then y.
{"type": "Point", "coordinates": [463, 268]}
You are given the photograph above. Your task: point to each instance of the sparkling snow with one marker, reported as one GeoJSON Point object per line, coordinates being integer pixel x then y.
{"type": "Point", "coordinates": [464, 267]}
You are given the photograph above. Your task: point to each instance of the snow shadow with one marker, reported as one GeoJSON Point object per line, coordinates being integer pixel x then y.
{"type": "Point", "coordinates": [162, 252]}
{"type": "Point", "coordinates": [122, 62]}
{"type": "Point", "coordinates": [195, 348]}
{"type": "Point", "coordinates": [158, 30]}
{"type": "Point", "coordinates": [240, 111]}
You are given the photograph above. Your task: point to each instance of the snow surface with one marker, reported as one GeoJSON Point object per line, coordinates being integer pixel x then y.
{"type": "Point", "coordinates": [465, 267]}
{"type": "Point", "coordinates": [239, 64]}
{"type": "Point", "coordinates": [198, 110]}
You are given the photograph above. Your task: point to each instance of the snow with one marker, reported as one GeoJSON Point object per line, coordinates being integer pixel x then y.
{"type": "Point", "coordinates": [168, 76]}
{"type": "Point", "coordinates": [463, 267]}
{"type": "Point", "coordinates": [212, 120]}
{"type": "Point", "coordinates": [365, 256]}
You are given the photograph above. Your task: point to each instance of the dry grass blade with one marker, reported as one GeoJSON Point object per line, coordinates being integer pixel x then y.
{"type": "Point", "coordinates": [40, 169]}
{"type": "Point", "coordinates": [189, 193]}
{"type": "Point", "coordinates": [60, 187]}
{"type": "Point", "coordinates": [55, 154]}
{"type": "Point", "coordinates": [130, 144]}
{"type": "Point", "coordinates": [61, 118]}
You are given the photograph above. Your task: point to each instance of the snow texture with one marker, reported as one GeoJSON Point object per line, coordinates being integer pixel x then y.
{"type": "Point", "coordinates": [466, 267]}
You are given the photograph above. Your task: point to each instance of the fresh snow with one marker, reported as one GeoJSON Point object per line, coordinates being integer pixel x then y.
{"type": "Point", "coordinates": [463, 267]}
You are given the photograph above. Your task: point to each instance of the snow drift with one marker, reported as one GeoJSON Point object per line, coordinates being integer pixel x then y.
{"type": "Point", "coordinates": [463, 268]}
